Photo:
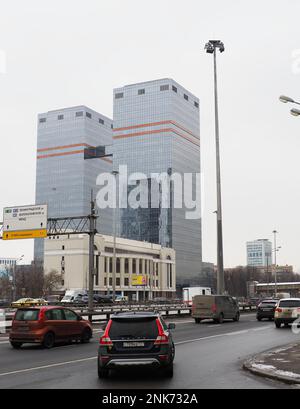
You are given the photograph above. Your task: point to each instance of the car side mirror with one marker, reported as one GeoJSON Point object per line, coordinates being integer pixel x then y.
{"type": "Point", "coordinates": [79, 318]}
{"type": "Point", "coordinates": [171, 326]}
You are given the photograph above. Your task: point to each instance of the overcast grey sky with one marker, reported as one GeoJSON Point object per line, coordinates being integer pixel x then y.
{"type": "Point", "coordinates": [64, 53]}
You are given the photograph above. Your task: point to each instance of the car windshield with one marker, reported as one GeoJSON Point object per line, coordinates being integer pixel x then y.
{"type": "Point", "coordinates": [27, 315]}
{"type": "Point", "coordinates": [289, 303]}
{"type": "Point", "coordinates": [136, 328]}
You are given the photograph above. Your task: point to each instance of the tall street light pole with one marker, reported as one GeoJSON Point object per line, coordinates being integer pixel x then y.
{"type": "Point", "coordinates": [115, 173]}
{"type": "Point", "coordinates": [275, 260]}
{"type": "Point", "coordinates": [211, 47]}
{"type": "Point", "coordinates": [14, 281]}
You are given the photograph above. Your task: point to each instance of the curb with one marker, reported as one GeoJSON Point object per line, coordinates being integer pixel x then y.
{"type": "Point", "coordinates": [269, 374]}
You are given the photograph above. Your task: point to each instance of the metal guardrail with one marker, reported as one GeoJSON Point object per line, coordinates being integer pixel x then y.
{"type": "Point", "coordinates": [101, 314]}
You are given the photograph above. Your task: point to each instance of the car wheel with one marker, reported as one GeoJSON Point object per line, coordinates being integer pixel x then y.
{"type": "Point", "coordinates": [16, 345]}
{"type": "Point", "coordinates": [197, 320]}
{"type": "Point", "coordinates": [168, 371]}
{"type": "Point", "coordinates": [237, 317]}
{"type": "Point", "coordinates": [259, 319]}
{"type": "Point", "coordinates": [86, 336]}
{"type": "Point", "coordinates": [49, 340]}
{"type": "Point", "coordinates": [277, 324]}
{"type": "Point", "coordinates": [103, 373]}
{"type": "Point", "coordinates": [220, 320]}
{"type": "Point", "coordinates": [173, 352]}
{"type": "Point", "coordinates": [286, 325]}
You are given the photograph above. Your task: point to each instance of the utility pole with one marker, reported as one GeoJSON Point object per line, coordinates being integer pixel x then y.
{"type": "Point", "coordinates": [92, 231]}
{"type": "Point", "coordinates": [211, 47]}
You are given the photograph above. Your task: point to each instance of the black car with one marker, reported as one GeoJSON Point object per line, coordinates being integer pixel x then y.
{"type": "Point", "coordinates": [266, 309]}
{"type": "Point", "coordinates": [103, 299]}
{"type": "Point", "coordinates": [136, 339]}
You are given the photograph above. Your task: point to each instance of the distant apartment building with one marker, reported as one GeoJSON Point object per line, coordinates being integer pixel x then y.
{"type": "Point", "coordinates": [72, 144]}
{"type": "Point", "coordinates": [259, 253]}
{"type": "Point", "coordinates": [6, 265]}
{"type": "Point", "coordinates": [69, 256]}
{"type": "Point", "coordinates": [157, 129]}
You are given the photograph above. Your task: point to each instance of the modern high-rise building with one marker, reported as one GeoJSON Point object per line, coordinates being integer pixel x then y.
{"type": "Point", "coordinates": [259, 253]}
{"type": "Point", "coordinates": [157, 130]}
{"type": "Point", "coordinates": [71, 152]}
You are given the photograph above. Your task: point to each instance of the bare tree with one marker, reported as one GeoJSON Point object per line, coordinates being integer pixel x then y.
{"type": "Point", "coordinates": [52, 282]}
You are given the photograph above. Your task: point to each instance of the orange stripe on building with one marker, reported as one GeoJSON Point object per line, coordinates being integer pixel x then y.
{"type": "Point", "coordinates": [127, 128]}
{"type": "Point", "coordinates": [52, 155]}
{"type": "Point", "coordinates": [106, 160]}
{"type": "Point", "coordinates": [74, 145]}
{"type": "Point", "coordinates": [156, 131]}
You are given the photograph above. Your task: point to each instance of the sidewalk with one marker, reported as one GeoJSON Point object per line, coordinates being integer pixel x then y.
{"type": "Point", "coordinates": [281, 364]}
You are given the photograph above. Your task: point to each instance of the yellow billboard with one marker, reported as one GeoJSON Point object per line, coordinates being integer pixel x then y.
{"type": "Point", "coordinates": [138, 279]}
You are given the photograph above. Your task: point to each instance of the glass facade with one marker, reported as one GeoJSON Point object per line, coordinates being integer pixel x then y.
{"type": "Point", "coordinates": [65, 174]}
{"type": "Point", "coordinates": [155, 131]}
{"type": "Point", "coordinates": [259, 253]}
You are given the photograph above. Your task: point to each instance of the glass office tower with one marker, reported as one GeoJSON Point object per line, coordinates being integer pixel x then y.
{"type": "Point", "coordinates": [68, 163]}
{"type": "Point", "coordinates": [157, 129]}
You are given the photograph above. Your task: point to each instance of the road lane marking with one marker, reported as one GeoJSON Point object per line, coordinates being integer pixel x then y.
{"type": "Point", "coordinates": [219, 335]}
{"type": "Point", "coordinates": [47, 366]}
{"type": "Point", "coordinates": [238, 332]}
{"type": "Point", "coordinates": [95, 357]}
{"type": "Point", "coordinates": [263, 328]}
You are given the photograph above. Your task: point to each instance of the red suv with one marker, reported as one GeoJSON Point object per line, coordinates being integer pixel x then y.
{"type": "Point", "coordinates": [47, 326]}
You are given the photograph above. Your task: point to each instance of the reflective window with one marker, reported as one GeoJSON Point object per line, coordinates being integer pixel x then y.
{"type": "Point", "coordinates": [70, 315]}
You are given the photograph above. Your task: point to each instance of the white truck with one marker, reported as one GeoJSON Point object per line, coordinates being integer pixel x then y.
{"type": "Point", "coordinates": [189, 292]}
{"type": "Point", "coordinates": [70, 295]}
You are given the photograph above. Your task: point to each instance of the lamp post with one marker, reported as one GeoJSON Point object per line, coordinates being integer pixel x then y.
{"type": "Point", "coordinates": [211, 47]}
{"type": "Point", "coordinates": [114, 173]}
{"type": "Point", "coordinates": [275, 232]}
{"type": "Point", "coordinates": [285, 100]}
{"type": "Point", "coordinates": [14, 276]}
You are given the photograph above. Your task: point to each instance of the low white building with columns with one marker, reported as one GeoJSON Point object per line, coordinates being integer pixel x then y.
{"type": "Point", "coordinates": [69, 256]}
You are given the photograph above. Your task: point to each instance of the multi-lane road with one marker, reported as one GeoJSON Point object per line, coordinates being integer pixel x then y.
{"type": "Point", "coordinates": [207, 356]}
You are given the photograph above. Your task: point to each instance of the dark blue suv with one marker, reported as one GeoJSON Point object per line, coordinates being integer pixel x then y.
{"type": "Point", "coordinates": [136, 339]}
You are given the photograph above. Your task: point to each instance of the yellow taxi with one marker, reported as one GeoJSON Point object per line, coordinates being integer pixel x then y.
{"type": "Point", "coordinates": [28, 302]}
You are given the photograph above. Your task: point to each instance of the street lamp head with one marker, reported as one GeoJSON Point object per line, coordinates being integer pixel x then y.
{"type": "Point", "coordinates": [212, 45]}
{"type": "Point", "coordinates": [285, 99]}
{"type": "Point", "coordinates": [209, 48]}
{"type": "Point", "coordinates": [115, 172]}
{"type": "Point", "coordinates": [295, 112]}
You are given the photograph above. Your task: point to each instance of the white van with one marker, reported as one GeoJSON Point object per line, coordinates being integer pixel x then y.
{"type": "Point", "coordinates": [70, 295]}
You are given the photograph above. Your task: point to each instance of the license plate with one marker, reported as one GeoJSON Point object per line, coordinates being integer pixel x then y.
{"type": "Point", "coordinates": [267, 309]}
{"type": "Point", "coordinates": [133, 344]}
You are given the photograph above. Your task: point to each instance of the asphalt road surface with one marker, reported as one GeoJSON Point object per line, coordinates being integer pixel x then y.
{"type": "Point", "coordinates": [207, 356]}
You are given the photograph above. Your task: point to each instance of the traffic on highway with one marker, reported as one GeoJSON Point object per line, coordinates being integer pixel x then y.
{"type": "Point", "coordinates": [133, 347]}
{"type": "Point", "coordinates": [149, 241]}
